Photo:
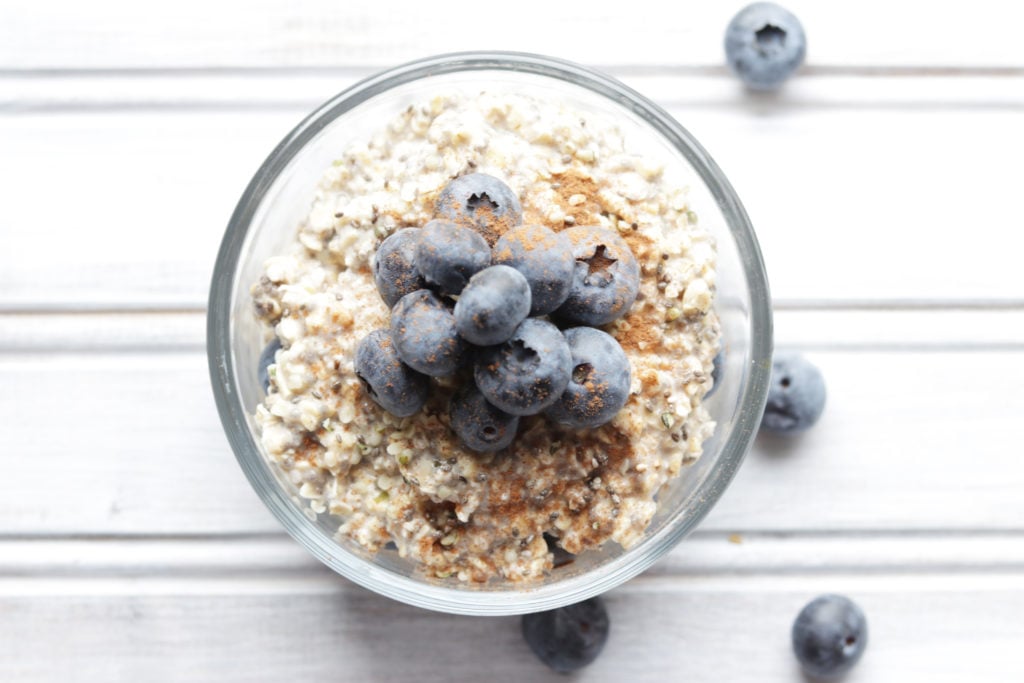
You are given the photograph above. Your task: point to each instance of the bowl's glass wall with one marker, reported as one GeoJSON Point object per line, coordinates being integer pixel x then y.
{"type": "Point", "coordinates": [281, 196]}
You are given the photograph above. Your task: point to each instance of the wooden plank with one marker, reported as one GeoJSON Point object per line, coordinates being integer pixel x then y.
{"type": "Point", "coordinates": [923, 426]}
{"type": "Point", "coordinates": [119, 443]}
{"type": "Point", "coordinates": [850, 329]}
{"type": "Point", "coordinates": [907, 329]}
{"type": "Point", "coordinates": [118, 34]}
{"type": "Point", "coordinates": [147, 198]}
{"type": "Point", "coordinates": [103, 332]}
{"type": "Point", "coordinates": [710, 628]}
{"type": "Point", "coordinates": [705, 553]}
{"type": "Point", "coordinates": [303, 89]}
{"type": "Point", "coordinates": [130, 442]}
{"type": "Point", "coordinates": [849, 234]}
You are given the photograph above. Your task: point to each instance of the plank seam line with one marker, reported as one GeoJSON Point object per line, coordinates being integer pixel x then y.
{"type": "Point", "coordinates": [43, 108]}
{"type": "Point", "coordinates": [783, 305]}
{"type": "Point", "coordinates": [713, 70]}
{"type": "Point", "coordinates": [699, 535]}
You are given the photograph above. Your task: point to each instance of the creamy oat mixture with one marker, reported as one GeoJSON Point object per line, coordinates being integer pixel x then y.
{"type": "Point", "coordinates": [455, 512]}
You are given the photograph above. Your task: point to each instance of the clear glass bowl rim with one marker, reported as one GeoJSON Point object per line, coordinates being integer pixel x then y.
{"type": "Point", "coordinates": [416, 591]}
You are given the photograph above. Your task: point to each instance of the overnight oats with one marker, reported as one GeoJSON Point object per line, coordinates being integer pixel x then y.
{"type": "Point", "coordinates": [490, 339]}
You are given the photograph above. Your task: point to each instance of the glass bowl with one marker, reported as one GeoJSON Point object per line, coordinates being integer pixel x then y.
{"type": "Point", "coordinates": [280, 194]}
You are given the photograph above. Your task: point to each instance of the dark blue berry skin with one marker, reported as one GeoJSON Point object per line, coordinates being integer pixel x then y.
{"type": "Point", "coordinates": [716, 372]}
{"type": "Point", "coordinates": [796, 395]}
{"type": "Point", "coordinates": [394, 266]}
{"type": "Point", "coordinates": [266, 360]}
{"type": "Point", "coordinates": [606, 277]}
{"type": "Point", "coordinates": [448, 255]}
{"type": "Point", "coordinates": [492, 305]}
{"type": "Point", "coordinates": [568, 638]}
{"type": "Point", "coordinates": [423, 329]}
{"type": "Point", "coordinates": [764, 45]}
{"type": "Point", "coordinates": [599, 383]}
{"type": "Point", "coordinates": [829, 636]}
{"type": "Point", "coordinates": [528, 372]}
{"type": "Point", "coordinates": [481, 426]}
{"type": "Point", "coordinates": [480, 202]}
{"type": "Point", "coordinates": [545, 258]}
{"type": "Point", "coordinates": [392, 384]}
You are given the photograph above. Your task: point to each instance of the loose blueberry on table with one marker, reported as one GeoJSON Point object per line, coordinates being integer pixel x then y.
{"type": "Point", "coordinates": [522, 365]}
{"type": "Point", "coordinates": [796, 395]}
{"type": "Point", "coordinates": [764, 45]}
{"type": "Point", "coordinates": [568, 638]}
{"type": "Point", "coordinates": [829, 636]}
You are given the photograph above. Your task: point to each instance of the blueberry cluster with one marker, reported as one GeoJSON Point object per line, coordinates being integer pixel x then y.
{"type": "Point", "coordinates": [513, 303]}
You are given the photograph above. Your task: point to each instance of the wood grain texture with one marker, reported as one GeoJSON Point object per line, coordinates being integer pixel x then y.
{"type": "Point", "coordinates": [705, 553]}
{"type": "Point", "coordinates": [311, 628]}
{"type": "Point", "coordinates": [880, 181]}
{"type": "Point", "coordinates": [909, 441]}
{"type": "Point", "coordinates": [155, 188]}
{"type": "Point", "coordinates": [118, 34]}
{"type": "Point", "coordinates": [298, 89]}
{"type": "Point", "coordinates": [262, 609]}
{"type": "Point", "coordinates": [855, 328]}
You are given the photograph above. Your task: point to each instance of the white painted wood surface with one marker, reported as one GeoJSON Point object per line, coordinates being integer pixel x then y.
{"type": "Point", "coordinates": [874, 181]}
{"type": "Point", "coordinates": [884, 186]}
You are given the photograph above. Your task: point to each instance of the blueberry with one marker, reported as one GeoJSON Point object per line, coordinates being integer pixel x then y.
{"type": "Point", "coordinates": [266, 360]}
{"type": "Point", "coordinates": [560, 557]}
{"type": "Point", "coordinates": [829, 636]}
{"type": "Point", "coordinates": [528, 372]}
{"type": "Point", "coordinates": [394, 266]}
{"type": "Point", "coordinates": [716, 372]}
{"type": "Point", "coordinates": [764, 45]}
{"type": "Point", "coordinates": [568, 638]}
{"type": "Point", "coordinates": [448, 255]}
{"type": "Point", "coordinates": [492, 305]}
{"type": "Point", "coordinates": [481, 426]}
{"type": "Point", "coordinates": [545, 258]}
{"type": "Point", "coordinates": [796, 396]}
{"type": "Point", "coordinates": [606, 277]}
{"type": "Point", "coordinates": [392, 384]}
{"type": "Point", "coordinates": [599, 383]}
{"type": "Point", "coordinates": [480, 202]}
{"type": "Point", "coordinates": [423, 329]}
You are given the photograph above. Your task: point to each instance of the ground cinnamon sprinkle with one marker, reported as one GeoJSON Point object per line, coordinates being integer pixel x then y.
{"type": "Point", "coordinates": [483, 220]}
{"type": "Point", "coordinates": [569, 188]}
{"type": "Point", "coordinates": [310, 448]}
{"type": "Point", "coordinates": [496, 226]}
{"type": "Point", "coordinates": [577, 195]}
{"type": "Point", "coordinates": [643, 328]}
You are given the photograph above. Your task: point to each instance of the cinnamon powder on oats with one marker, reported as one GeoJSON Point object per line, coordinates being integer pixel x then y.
{"type": "Point", "coordinates": [569, 187]}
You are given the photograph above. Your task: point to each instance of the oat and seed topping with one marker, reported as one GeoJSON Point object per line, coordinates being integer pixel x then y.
{"type": "Point", "coordinates": [479, 517]}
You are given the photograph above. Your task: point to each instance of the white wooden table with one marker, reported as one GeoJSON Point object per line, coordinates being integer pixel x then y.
{"type": "Point", "coordinates": [885, 186]}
